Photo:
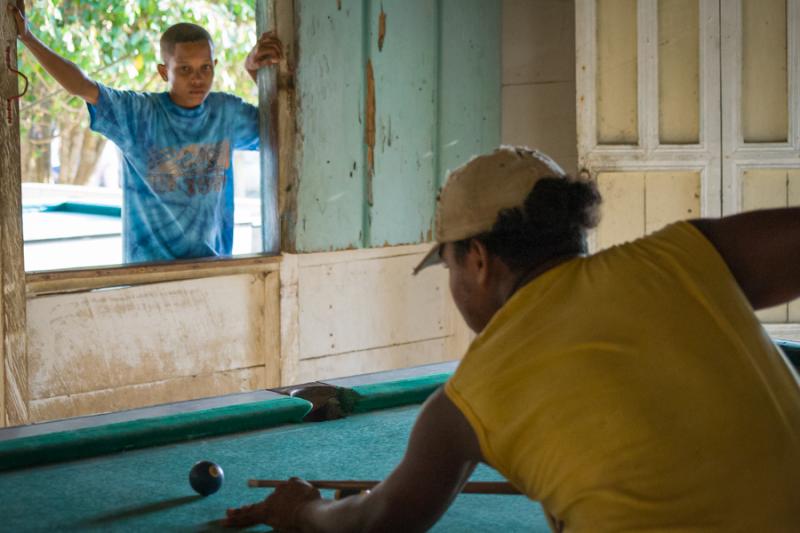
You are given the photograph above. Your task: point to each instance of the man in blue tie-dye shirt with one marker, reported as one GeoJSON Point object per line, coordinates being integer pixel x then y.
{"type": "Point", "coordinates": [177, 145]}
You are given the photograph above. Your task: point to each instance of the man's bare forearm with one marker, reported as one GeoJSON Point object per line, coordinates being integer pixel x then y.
{"type": "Point", "coordinates": [762, 250]}
{"type": "Point", "coordinates": [339, 516]}
{"type": "Point", "coordinates": [363, 513]}
{"type": "Point", "coordinates": [442, 453]}
{"type": "Point", "coordinates": [66, 73]}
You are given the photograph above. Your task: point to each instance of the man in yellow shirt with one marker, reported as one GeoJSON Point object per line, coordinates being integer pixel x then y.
{"type": "Point", "coordinates": [631, 390]}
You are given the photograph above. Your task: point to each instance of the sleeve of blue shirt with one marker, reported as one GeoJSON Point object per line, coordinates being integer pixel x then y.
{"type": "Point", "coordinates": [245, 124]}
{"type": "Point", "coordinates": [118, 115]}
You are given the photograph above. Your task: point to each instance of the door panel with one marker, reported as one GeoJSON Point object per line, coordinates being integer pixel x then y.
{"type": "Point", "coordinates": [678, 72]}
{"type": "Point", "coordinates": [617, 71]}
{"type": "Point", "coordinates": [669, 168]}
{"type": "Point", "coordinates": [401, 198]}
{"type": "Point", "coordinates": [623, 207]}
{"type": "Point", "coordinates": [764, 75]}
{"type": "Point", "coordinates": [389, 96]}
{"type": "Point", "coordinates": [638, 203]}
{"type": "Point", "coordinates": [718, 92]}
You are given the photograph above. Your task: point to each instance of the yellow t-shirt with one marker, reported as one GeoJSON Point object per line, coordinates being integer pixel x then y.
{"type": "Point", "coordinates": [635, 390]}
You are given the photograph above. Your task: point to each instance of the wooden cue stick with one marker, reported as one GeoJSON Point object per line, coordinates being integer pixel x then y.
{"type": "Point", "coordinates": [472, 487]}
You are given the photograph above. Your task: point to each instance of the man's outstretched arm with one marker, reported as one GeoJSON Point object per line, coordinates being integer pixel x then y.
{"type": "Point", "coordinates": [762, 249]}
{"type": "Point", "coordinates": [66, 73]}
{"type": "Point", "coordinates": [442, 453]}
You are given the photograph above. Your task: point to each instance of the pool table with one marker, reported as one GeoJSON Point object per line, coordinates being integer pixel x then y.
{"type": "Point", "coordinates": [129, 471]}
{"type": "Point", "coordinates": [108, 473]}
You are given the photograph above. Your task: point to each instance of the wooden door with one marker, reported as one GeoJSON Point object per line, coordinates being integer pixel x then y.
{"type": "Point", "coordinates": [648, 128]}
{"type": "Point", "coordinates": [689, 108]}
{"type": "Point", "coordinates": [760, 103]}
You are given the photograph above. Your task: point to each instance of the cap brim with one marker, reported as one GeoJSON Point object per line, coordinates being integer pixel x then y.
{"type": "Point", "coordinates": [433, 257]}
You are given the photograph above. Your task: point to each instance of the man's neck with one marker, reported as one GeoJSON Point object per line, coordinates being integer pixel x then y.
{"type": "Point", "coordinates": [526, 276]}
{"type": "Point", "coordinates": [174, 100]}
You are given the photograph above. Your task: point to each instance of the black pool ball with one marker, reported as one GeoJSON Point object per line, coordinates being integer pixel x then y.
{"type": "Point", "coordinates": [206, 477]}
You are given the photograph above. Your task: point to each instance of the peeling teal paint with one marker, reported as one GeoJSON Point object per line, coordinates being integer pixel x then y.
{"type": "Point", "coordinates": [405, 85]}
{"type": "Point", "coordinates": [469, 81]}
{"type": "Point", "coordinates": [437, 92]}
{"type": "Point", "coordinates": [330, 105]}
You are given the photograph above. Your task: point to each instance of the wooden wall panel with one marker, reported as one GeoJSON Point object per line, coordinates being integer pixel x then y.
{"type": "Point", "coordinates": [144, 394]}
{"type": "Point", "coordinates": [764, 189]}
{"type": "Point", "coordinates": [361, 305]}
{"type": "Point", "coordinates": [670, 196]}
{"type": "Point", "coordinates": [638, 203]}
{"type": "Point", "coordinates": [13, 365]}
{"type": "Point", "coordinates": [113, 345]}
{"type": "Point", "coordinates": [290, 317]}
{"type": "Point", "coordinates": [538, 41]}
{"type": "Point", "coordinates": [623, 208]}
{"type": "Point", "coordinates": [542, 116]}
{"type": "Point", "coordinates": [617, 71]}
{"type": "Point", "coordinates": [268, 346]}
{"type": "Point", "coordinates": [390, 95]}
{"type": "Point", "coordinates": [469, 91]}
{"type": "Point", "coordinates": [679, 71]}
{"type": "Point", "coordinates": [330, 136]}
{"type": "Point", "coordinates": [357, 311]}
{"type": "Point", "coordinates": [539, 78]}
{"type": "Point", "coordinates": [401, 191]}
{"type": "Point", "coordinates": [764, 73]}
{"type": "Point", "coordinates": [376, 360]}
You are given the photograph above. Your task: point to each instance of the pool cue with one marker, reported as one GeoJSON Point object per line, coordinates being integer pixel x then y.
{"type": "Point", "coordinates": [472, 487]}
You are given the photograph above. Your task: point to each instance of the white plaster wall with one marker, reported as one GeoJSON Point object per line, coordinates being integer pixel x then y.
{"type": "Point", "coordinates": [539, 77]}
{"type": "Point", "coordinates": [357, 311]}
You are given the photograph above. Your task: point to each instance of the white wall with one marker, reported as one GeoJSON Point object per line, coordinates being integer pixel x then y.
{"type": "Point", "coordinates": [184, 333]}
{"type": "Point", "coordinates": [539, 77]}
{"type": "Point", "coordinates": [359, 311]}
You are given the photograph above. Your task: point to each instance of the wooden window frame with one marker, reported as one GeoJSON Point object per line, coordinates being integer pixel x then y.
{"type": "Point", "coordinates": [17, 286]}
{"type": "Point", "coordinates": [277, 138]}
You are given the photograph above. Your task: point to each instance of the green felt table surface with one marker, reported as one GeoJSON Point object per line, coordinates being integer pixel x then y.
{"type": "Point", "coordinates": [148, 489]}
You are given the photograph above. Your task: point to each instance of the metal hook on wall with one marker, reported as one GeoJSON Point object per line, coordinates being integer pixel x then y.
{"type": "Point", "coordinates": [10, 99]}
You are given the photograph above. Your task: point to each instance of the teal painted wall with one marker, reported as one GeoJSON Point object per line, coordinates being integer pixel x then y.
{"type": "Point", "coordinates": [437, 103]}
{"type": "Point", "coordinates": [471, 81]}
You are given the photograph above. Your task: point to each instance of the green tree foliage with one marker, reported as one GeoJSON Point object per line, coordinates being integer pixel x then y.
{"type": "Point", "coordinates": [116, 43]}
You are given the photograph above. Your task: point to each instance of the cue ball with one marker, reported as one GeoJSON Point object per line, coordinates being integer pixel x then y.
{"type": "Point", "coordinates": [206, 477]}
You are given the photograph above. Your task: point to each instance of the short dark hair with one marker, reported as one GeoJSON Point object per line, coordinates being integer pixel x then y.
{"type": "Point", "coordinates": [551, 223]}
{"type": "Point", "coordinates": [182, 32]}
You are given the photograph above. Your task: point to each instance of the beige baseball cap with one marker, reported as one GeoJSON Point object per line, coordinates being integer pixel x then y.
{"type": "Point", "coordinates": [476, 192]}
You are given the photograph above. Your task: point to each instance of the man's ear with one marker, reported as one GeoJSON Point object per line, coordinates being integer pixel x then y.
{"type": "Point", "coordinates": [481, 261]}
{"type": "Point", "coordinates": [162, 71]}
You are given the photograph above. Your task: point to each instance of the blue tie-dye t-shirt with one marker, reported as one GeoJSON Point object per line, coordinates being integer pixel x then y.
{"type": "Point", "coordinates": [177, 170]}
